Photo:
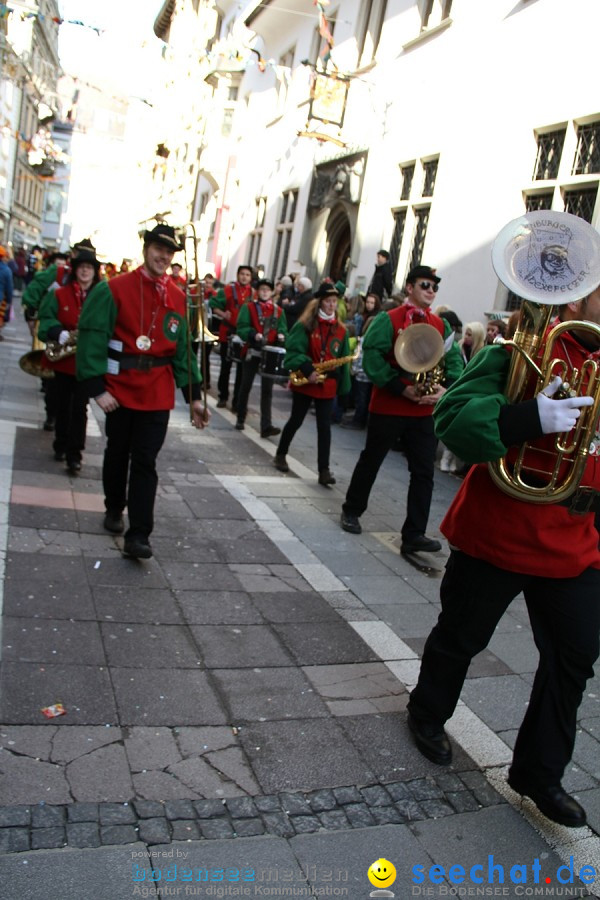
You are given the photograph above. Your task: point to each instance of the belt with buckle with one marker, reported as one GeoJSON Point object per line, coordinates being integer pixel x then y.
{"type": "Point", "coordinates": [142, 362]}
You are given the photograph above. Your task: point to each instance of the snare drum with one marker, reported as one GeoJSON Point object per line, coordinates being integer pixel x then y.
{"type": "Point", "coordinates": [271, 364]}
{"type": "Point", "coordinates": [234, 348]}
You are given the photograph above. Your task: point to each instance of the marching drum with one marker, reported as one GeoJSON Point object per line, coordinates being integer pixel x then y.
{"type": "Point", "coordinates": [271, 365]}
{"type": "Point", "coordinates": [234, 348]}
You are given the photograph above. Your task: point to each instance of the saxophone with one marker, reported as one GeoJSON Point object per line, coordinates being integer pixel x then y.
{"type": "Point", "coordinates": [297, 378]}
{"type": "Point", "coordinates": [55, 352]}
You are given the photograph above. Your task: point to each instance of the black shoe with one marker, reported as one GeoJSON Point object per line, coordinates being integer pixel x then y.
{"type": "Point", "coordinates": [326, 478]}
{"type": "Point", "coordinates": [113, 522]}
{"type": "Point", "coordinates": [234, 407]}
{"type": "Point", "coordinates": [49, 424]}
{"type": "Point", "coordinates": [137, 548]}
{"type": "Point", "coordinates": [239, 426]}
{"type": "Point", "coordinates": [431, 740]}
{"type": "Point", "coordinates": [350, 523]}
{"type": "Point", "coordinates": [553, 802]}
{"type": "Point", "coordinates": [421, 544]}
{"type": "Point", "coordinates": [354, 426]}
{"type": "Point", "coordinates": [280, 462]}
{"type": "Point", "coordinates": [271, 431]}
{"type": "Point", "coordinates": [73, 467]}
{"type": "Point", "coordinates": [59, 457]}
{"type": "Point", "coordinates": [221, 404]}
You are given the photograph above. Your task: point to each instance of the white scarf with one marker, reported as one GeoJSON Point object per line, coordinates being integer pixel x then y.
{"type": "Point", "coordinates": [326, 318]}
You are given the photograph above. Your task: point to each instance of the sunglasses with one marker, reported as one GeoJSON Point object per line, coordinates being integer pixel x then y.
{"type": "Point", "coordinates": [429, 285]}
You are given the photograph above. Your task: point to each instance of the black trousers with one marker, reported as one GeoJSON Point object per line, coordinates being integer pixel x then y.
{"type": "Point", "coordinates": [300, 406]}
{"type": "Point", "coordinates": [249, 369]}
{"type": "Point", "coordinates": [223, 382]}
{"type": "Point", "coordinates": [419, 444]}
{"type": "Point", "coordinates": [134, 438]}
{"type": "Point", "coordinates": [565, 620]}
{"type": "Point", "coordinates": [71, 400]}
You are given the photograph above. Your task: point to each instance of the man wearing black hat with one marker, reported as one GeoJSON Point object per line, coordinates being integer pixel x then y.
{"type": "Point", "coordinates": [133, 349]}
{"type": "Point", "coordinates": [260, 324]}
{"type": "Point", "coordinates": [226, 306]}
{"type": "Point", "coordinates": [382, 282]}
{"type": "Point", "coordinates": [399, 410]}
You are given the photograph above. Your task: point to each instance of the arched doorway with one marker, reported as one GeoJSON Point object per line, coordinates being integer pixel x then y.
{"type": "Point", "coordinates": [339, 240]}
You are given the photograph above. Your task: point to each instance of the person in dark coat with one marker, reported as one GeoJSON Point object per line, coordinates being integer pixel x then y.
{"type": "Point", "coordinates": [382, 282]}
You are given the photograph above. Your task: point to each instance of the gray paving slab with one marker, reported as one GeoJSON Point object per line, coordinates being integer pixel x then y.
{"type": "Point", "coordinates": [153, 605]}
{"type": "Point", "coordinates": [122, 571]}
{"type": "Point", "coordinates": [516, 649]}
{"type": "Point", "coordinates": [260, 694]}
{"type": "Point", "coordinates": [500, 701]}
{"type": "Point", "coordinates": [51, 640]}
{"type": "Point", "coordinates": [217, 608]}
{"type": "Point", "coordinates": [324, 643]}
{"type": "Point", "coordinates": [279, 758]}
{"type": "Point", "coordinates": [380, 589]}
{"type": "Point", "coordinates": [25, 516]}
{"type": "Point", "coordinates": [84, 691]}
{"type": "Point", "coordinates": [104, 873]}
{"type": "Point", "coordinates": [240, 646]}
{"type": "Point", "coordinates": [39, 600]}
{"type": "Point", "coordinates": [149, 646]}
{"type": "Point", "coordinates": [294, 607]}
{"type": "Point", "coordinates": [165, 697]}
{"type": "Point", "coordinates": [203, 576]}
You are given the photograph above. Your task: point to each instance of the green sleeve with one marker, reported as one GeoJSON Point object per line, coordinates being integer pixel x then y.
{"type": "Point", "coordinates": [219, 300]}
{"type": "Point", "coordinates": [377, 344]}
{"type": "Point", "coordinates": [48, 315]}
{"type": "Point", "coordinates": [466, 416]}
{"type": "Point", "coordinates": [296, 347]}
{"type": "Point", "coordinates": [95, 329]}
{"type": "Point", "coordinates": [282, 326]}
{"type": "Point", "coordinates": [37, 288]}
{"type": "Point", "coordinates": [345, 380]}
{"type": "Point", "coordinates": [244, 323]}
{"type": "Point", "coordinates": [185, 362]}
{"type": "Point", "coordinates": [454, 365]}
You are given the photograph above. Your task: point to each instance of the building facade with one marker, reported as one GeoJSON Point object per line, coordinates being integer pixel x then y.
{"type": "Point", "coordinates": [418, 126]}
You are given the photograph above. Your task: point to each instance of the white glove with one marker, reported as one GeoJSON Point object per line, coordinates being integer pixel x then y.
{"type": "Point", "coordinates": [63, 337]}
{"type": "Point", "coordinates": [559, 415]}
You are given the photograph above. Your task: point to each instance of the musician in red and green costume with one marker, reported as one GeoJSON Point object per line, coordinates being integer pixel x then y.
{"type": "Point", "coordinates": [398, 411]}
{"type": "Point", "coordinates": [503, 545]}
{"type": "Point", "coordinates": [260, 324]}
{"type": "Point", "coordinates": [133, 350]}
{"type": "Point", "coordinates": [317, 336]}
{"type": "Point", "coordinates": [226, 307]}
{"type": "Point", "coordinates": [58, 319]}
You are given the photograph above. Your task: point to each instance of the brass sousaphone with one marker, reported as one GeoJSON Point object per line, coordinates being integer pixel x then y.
{"type": "Point", "coordinates": [548, 259]}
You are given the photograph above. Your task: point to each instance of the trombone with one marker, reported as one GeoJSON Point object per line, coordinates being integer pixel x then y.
{"type": "Point", "coordinates": [194, 295]}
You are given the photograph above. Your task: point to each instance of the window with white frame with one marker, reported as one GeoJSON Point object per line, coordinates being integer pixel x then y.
{"type": "Point", "coordinates": [283, 234]}
{"type": "Point", "coordinates": [411, 214]}
{"type": "Point", "coordinates": [433, 12]}
{"type": "Point", "coordinates": [369, 31]}
{"type": "Point", "coordinates": [257, 232]}
{"type": "Point", "coordinates": [284, 76]}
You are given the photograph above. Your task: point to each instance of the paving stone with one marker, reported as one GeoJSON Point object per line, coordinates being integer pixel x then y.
{"type": "Point", "coordinates": [387, 815]}
{"type": "Point", "coordinates": [334, 819]}
{"type": "Point", "coordinates": [208, 577]}
{"type": "Point", "coordinates": [267, 803]}
{"type": "Point", "coordinates": [46, 816]}
{"type": "Point", "coordinates": [208, 809]}
{"type": "Point", "coordinates": [151, 748]}
{"type": "Point", "coordinates": [215, 830]}
{"type": "Point", "coordinates": [295, 804]}
{"type": "Point", "coordinates": [410, 809]}
{"type": "Point", "coordinates": [322, 800]}
{"type": "Point", "coordinates": [48, 838]}
{"type": "Point", "coordinates": [434, 809]}
{"type": "Point", "coordinates": [149, 646]}
{"type": "Point", "coordinates": [359, 815]}
{"type": "Point", "coordinates": [14, 840]}
{"type": "Point", "coordinates": [305, 824]}
{"type": "Point", "coordinates": [218, 608]}
{"type": "Point", "coordinates": [424, 789]}
{"type": "Point", "coordinates": [118, 834]}
{"type": "Point", "coordinates": [154, 831]}
{"type": "Point", "coordinates": [53, 641]}
{"type": "Point", "coordinates": [268, 694]}
{"type": "Point", "coordinates": [179, 809]}
{"type": "Point", "coordinates": [85, 692]}
{"type": "Point", "coordinates": [116, 814]}
{"type": "Point", "coordinates": [324, 643]}
{"type": "Point", "coordinates": [185, 830]}
{"type": "Point", "coordinates": [241, 807]}
{"type": "Point", "coordinates": [278, 823]}
{"type": "Point", "coordinates": [501, 701]}
{"type": "Point", "coordinates": [149, 809]}
{"type": "Point", "coordinates": [294, 607]}
{"type": "Point", "coordinates": [448, 782]}
{"type": "Point", "coordinates": [398, 791]}
{"type": "Point", "coordinates": [102, 774]}
{"type": "Point", "coordinates": [83, 834]}
{"type": "Point", "coordinates": [462, 801]}
{"type": "Point", "coordinates": [233, 765]}
{"type": "Point", "coordinates": [120, 604]}
{"type": "Point", "coordinates": [345, 795]}
{"type": "Point", "coordinates": [483, 791]}
{"type": "Point", "coordinates": [11, 816]}
{"type": "Point", "coordinates": [376, 796]}
{"type": "Point", "coordinates": [70, 743]}
{"type": "Point", "coordinates": [248, 827]}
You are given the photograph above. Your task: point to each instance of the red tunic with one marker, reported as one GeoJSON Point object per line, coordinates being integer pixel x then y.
{"type": "Point", "coordinates": [69, 300]}
{"type": "Point", "coordinates": [383, 401]}
{"type": "Point", "coordinates": [324, 343]}
{"type": "Point", "coordinates": [236, 295]}
{"type": "Point", "coordinates": [142, 311]}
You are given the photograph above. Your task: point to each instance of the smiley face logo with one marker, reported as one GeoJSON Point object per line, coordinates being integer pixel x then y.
{"type": "Point", "coordinates": [381, 873]}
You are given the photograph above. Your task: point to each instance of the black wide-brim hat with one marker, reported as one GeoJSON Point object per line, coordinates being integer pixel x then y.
{"type": "Point", "coordinates": [84, 252]}
{"type": "Point", "coordinates": [325, 290]}
{"type": "Point", "coordinates": [165, 235]}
